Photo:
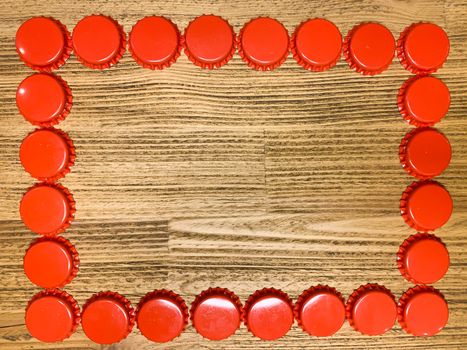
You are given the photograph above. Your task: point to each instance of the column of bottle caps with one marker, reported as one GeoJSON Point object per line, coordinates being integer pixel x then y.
{"type": "Point", "coordinates": [47, 208]}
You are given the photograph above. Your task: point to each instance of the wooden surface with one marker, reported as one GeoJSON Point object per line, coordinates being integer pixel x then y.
{"type": "Point", "coordinates": [187, 179]}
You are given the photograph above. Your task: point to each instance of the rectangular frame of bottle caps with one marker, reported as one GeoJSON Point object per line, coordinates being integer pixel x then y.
{"type": "Point", "coordinates": [51, 262]}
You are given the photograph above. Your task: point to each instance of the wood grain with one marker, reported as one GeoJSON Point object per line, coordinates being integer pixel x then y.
{"type": "Point", "coordinates": [187, 178]}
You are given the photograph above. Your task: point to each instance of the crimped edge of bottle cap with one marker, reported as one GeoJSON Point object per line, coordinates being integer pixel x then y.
{"type": "Point", "coordinates": [254, 65]}
{"type": "Point", "coordinates": [310, 292]}
{"type": "Point", "coordinates": [348, 56]}
{"type": "Point", "coordinates": [205, 65]}
{"type": "Point", "coordinates": [116, 58]}
{"type": "Point", "coordinates": [164, 294]}
{"type": "Point", "coordinates": [402, 56]}
{"type": "Point", "coordinates": [70, 248]}
{"type": "Point", "coordinates": [402, 106]}
{"type": "Point", "coordinates": [408, 295]}
{"type": "Point", "coordinates": [66, 108]}
{"type": "Point", "coordinates": [71, 154]}
{"type": "Point", "coordinates": [403, 152]}
{"type": "Point", "coordinates": [157, 66]}
{"type": "Point", "coordinates": [253, 298]}
{"type": "Point", "coordinates": [64, 296]}
{"type": "Point", "coordinates": [298, 57]}
{"type": "Point", "coordinates": [216, 291]}
{"type": "Point", "coordinates": [71, 205]}
{"type": "Point", "coordinates": [358, 293]}
{"type": "Point", "coordinates": [405, 198]}
{"type": "Point", "coordinates": [118, 298]}
{"type": "Point", "coordinates": [404, 248]}
{"type": "Point", "coordinates": [61, 60]}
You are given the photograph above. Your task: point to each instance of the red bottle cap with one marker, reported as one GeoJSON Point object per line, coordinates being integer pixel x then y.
{"type": "Point", "coordinates": [423, 48]}
{"type": "Point", "coordinates": [425, 153]}
{"type": "Point", "coordinates": [269, 314]}
{"type": "Point", "coordinates": [47, 154]}
{"type": "Point", "coordinates": [371, 309]}
{"type": "Point", "coordinates": [161, 315]}
{"type": "Point", "coordinates": [263, 43]}
{"type": "Point", "coordinates": [423, 258]}
{"type": "Point", "coordinates": [423, 311]}
{"type": "Point", "coordinates": [317, 44]}
{"type": "Point", "coordinates": [47, 209]}
{"type": "Point", "coordinates": [209, 41]}
{"type": "Point", "coordinates": [107, 318]}
{"type": "Point", "coordinates": [44, 99]}
{"type": "Point", "coordinates": [426, 205]}
{"type": "Point", "coordinates": [43, 43]}
{"type": "Point", "coordinates": [99, 41]}
{"type": "Point", "coordinates": [320, 311]}
{"type": "Point", "coordinates": [51, 262]}
{"type": "Point", "coordinates": [154, 42]}
{"type": "Point", "coordinates": [52, 315]}
{"type": "Point", "coordinates": [216, 313]}
{"type": "Point", "coordinates": [369, 48]}
{"type": "Point", "coordinates": [423, 101]}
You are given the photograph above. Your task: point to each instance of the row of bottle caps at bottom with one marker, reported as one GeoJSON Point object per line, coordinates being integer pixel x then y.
{"type": "Point", "coordinates": [216, 313]}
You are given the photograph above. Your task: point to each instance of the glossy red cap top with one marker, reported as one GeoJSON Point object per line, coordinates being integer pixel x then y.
{"type": "Point", "coordinates": [423, 258]}
{"type": "Point", "coordinates": [423, 48]}
{"type": "Point", "coordinates": [209, 41]}
{"type": "Point", "coordinates": [154, 42]}
{"type": "Point", "coordinates": [371, 309]}
{"type": "Point", "coordinates": [107, 318]}
{"type": "Point", "coordinates": [269, 314]}
{"type": "Point", "coordinates": [98, 41]}
{"type": "Point", "coordinates": [369, 48]}
{"type": "Point", "coordinates": [423, 101]}
{"type": "Point", "coordinates": [320, 311]}
{"type": "Point", "coordinates": [43, 99]}
{"type": "Point", "coordinates": [43, 43]}
{"type": "Point", "coordinates": [51, 262]}
{"type": "Point", "coordinates": [317, 44]}
{"type": "Point", "coordinates": [47, 209]}
{"type": "Point", "coordinates": [216, 313]}
{"type": "Point", "coordinates": [47, 154]}
{"type": "Point", "coordinates": [52, 315]}
{"type": "Point", "coordinates": [423, 311]}
{"type": "Point", "coordinates": [263, 43]}
{"type": "Point", "coordinates": [161, 315]}
{"type": "Point", "coordinates": [425, 153]}
{"type": "Point", "coordinates": [426, 205]}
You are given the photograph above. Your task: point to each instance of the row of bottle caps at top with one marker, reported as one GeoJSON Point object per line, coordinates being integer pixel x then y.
{"type": "Point", "coordinates": [209, 41]}
{"type": "Point", "coordinates": [217, 313]}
